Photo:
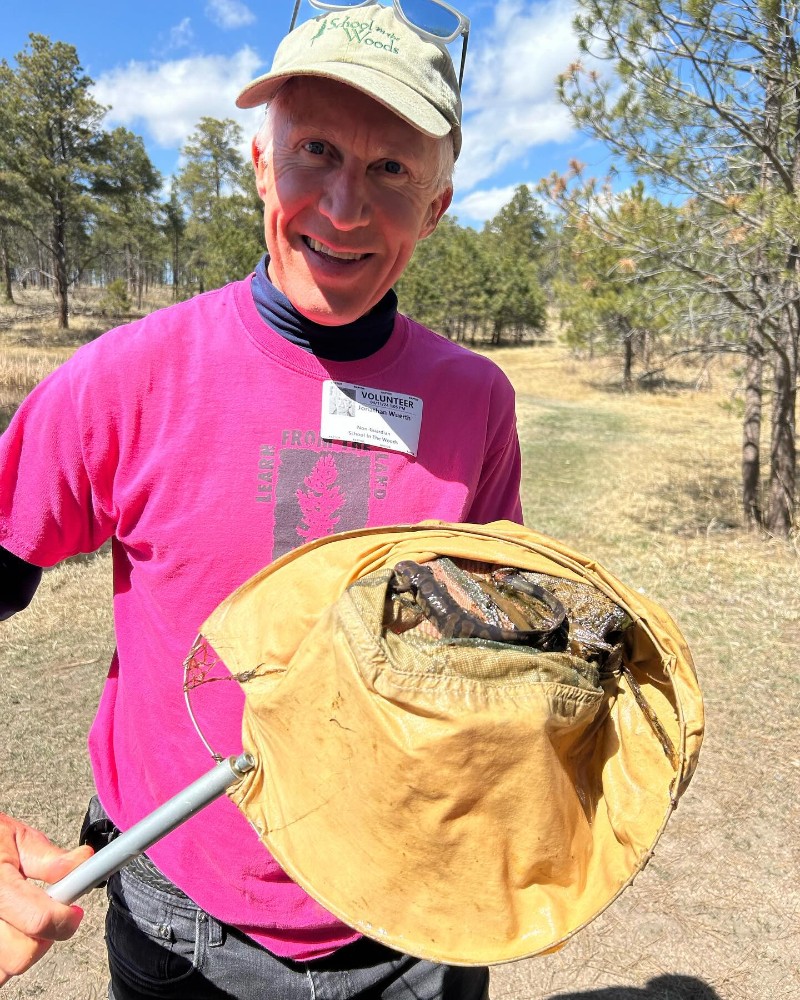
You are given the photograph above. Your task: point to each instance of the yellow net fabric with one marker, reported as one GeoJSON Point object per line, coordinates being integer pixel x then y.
{"type": "Point", "coordinates": [463, 800]}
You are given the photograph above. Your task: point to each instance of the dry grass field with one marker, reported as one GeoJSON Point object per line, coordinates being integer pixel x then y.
{"type": "Point", "coordinates": [648, 485]}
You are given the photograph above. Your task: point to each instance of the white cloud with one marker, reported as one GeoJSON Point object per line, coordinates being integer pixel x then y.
{"type": "Point", "coordinates": [484, 204]}
{"type": "Point", "coordinates": [181, 35]}
{"type": "Point", "coordinates": [229, 14]}
{"type": "Point", "coordinates": [510, 101]}
{"type": "Point", "coordinates": [168, 99]}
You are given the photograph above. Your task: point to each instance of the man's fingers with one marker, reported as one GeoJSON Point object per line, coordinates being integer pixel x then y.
{"type": "Point", "coordinates": [26, 907]}
{"type": "Point", "coordinates": [39, 858]}
{"type": "Point", "coordinates": [30, 921]}
{"type": "Point", "coordinates": [18, 952]}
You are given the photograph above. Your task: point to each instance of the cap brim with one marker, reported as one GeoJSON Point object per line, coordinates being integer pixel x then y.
{"type": "Point", "coordinates": [394, 95]}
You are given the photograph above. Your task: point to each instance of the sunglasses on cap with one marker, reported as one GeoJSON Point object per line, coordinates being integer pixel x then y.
{"type": "Point", "coordinates": [433, 19]}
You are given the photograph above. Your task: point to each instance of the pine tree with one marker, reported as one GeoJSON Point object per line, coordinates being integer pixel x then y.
{"type": "Point", "coordinates": [49, 135]}
{"type": "Point", "coordinates": [224, 232]}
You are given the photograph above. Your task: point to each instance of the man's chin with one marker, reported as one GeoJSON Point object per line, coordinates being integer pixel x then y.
{"type": "Point", "coordinates": [326, 308]}
{"type": "Point", "coordinates": [329, 315]}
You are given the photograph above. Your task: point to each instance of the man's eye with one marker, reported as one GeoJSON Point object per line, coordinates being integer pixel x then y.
{"type": "Point", "coordinates": [316, 147]}
{"type": "Point", "coordinates": [393, 167]}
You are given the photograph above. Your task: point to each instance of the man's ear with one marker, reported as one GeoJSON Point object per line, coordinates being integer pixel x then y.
{"type": "Point", "coordinates": [259, 165]}
{"type": "Point", "coordinates": [438, 207]}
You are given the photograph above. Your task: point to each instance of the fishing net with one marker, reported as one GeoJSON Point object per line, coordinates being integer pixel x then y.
{"type": "Point", "coordinates": [468, 738]}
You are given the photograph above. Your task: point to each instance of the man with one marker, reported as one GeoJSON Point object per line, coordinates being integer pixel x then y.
{"type": "Point", "coordinates": [208, 439]}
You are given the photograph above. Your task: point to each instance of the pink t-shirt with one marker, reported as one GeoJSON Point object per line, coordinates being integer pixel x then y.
{"type": "Point", "coordinates": [191, 438]}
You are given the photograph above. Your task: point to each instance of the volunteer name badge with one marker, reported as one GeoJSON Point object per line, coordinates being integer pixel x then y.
{"type": "Point", "coordinates": [379, 417]}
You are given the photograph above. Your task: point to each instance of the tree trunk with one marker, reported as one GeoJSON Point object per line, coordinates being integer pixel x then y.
{"type": "Point", "coordinates": [627, 364]}
{"type": "Point", "coordinates": [60, 260]}
{"type": "Point", "coordinates": [130, 277]}
{"type": "Point", "coordinates": [43, 277]}
{"type": "Point", "coordinates": [751, 428]}
{"type": "Point", "coordinates": [139, 280]}
{"type": "Point", "coordinates": [175, 265]}
{"type": "Point", "coordinates": [783, 458]}
{"type": "Point", "coordinates": [9, 297]}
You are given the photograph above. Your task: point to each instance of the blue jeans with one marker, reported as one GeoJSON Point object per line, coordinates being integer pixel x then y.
{"type": "Point", "coordinates": [161, 945]}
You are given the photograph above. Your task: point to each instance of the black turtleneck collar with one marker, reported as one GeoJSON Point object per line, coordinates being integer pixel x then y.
{"type": "Point", "coordinates": [351, 342]}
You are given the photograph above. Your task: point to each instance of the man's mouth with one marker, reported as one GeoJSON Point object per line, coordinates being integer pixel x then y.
{"type": "Point", "coordinates": [330, 252]}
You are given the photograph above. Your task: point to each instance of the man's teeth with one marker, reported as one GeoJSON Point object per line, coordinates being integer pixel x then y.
{"type": "Point", "coordinates": [321, 248]}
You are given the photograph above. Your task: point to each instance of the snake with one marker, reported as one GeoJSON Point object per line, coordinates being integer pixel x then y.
{"type": "Point", "coordinates": [455, 622]}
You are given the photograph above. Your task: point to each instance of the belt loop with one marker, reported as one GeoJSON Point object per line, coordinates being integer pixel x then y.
{"type": "Point", "coordinates": [216, 932]}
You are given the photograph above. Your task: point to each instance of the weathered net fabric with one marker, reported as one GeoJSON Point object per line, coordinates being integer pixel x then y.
{"type": "Point", "coordinates": [465, 800]}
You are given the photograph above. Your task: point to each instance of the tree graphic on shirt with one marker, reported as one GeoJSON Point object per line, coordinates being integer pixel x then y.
{"type": "Point", "coordinates": [320, 500]}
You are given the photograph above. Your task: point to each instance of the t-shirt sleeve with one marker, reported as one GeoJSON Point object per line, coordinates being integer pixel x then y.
{"type": "Point", "coordinates": [497, 497]}
{"type": "Point", "coordinates": [55, 495]}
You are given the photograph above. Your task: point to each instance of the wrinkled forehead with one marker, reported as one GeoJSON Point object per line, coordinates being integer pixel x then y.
{"type": "Point", "coordinates": [331, 109]}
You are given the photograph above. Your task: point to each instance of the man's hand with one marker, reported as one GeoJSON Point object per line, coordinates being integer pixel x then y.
{"type": "Point", "coordinates": [29, 920]}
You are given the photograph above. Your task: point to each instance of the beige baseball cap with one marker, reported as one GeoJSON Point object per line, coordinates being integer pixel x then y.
{"type": "Point", "coordinates": [372, 50]}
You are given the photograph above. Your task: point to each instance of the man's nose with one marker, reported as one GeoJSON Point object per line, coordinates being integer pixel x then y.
{"type": "Point", "coordinates": [345, 201]}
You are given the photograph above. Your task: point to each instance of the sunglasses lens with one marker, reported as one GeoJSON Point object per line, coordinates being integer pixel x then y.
{"type": "Point", "coordinates": [431, 17]}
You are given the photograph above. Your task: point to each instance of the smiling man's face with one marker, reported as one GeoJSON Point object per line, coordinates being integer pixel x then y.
{"type": "Point", "coordinates": [348, 190]}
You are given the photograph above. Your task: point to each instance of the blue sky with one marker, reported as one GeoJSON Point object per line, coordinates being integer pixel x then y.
{"type": "Point", "coordinates": [163, 65]}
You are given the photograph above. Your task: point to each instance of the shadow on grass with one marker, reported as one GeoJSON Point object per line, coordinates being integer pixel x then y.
{"type": "Point", "coordinates": [709, 504]}
{"type": "Point", "coordinates": [485, 345]}
{"type": "Point", "coordinates": [38, 337]}
{"type": "Point", "coordinates": [661, 386]}
{"type": "Point", "coordinates": [660, 988]}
